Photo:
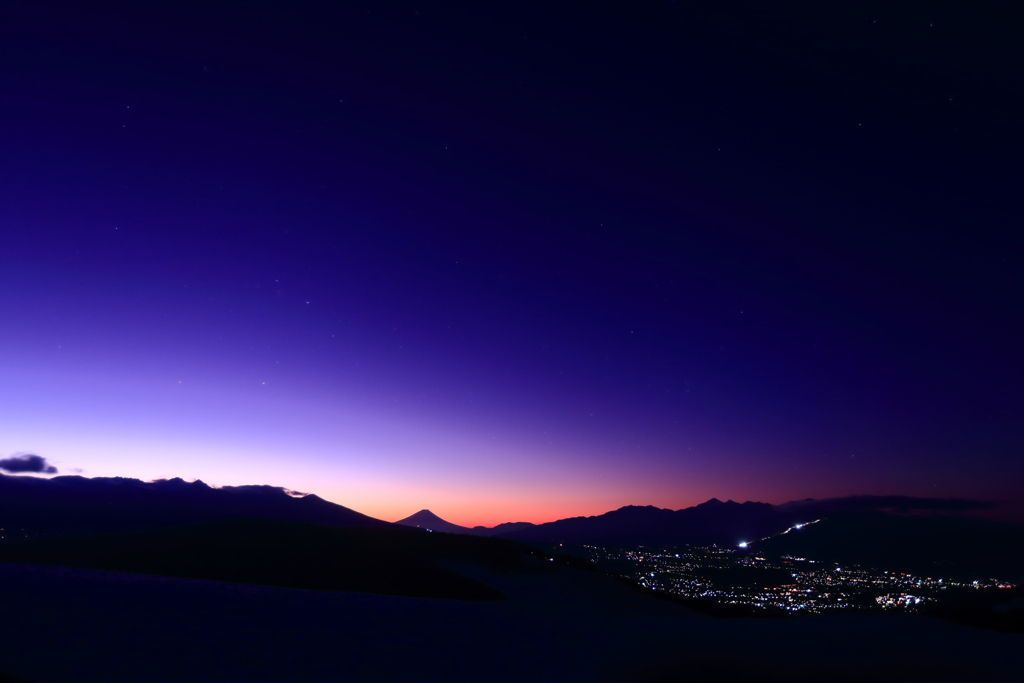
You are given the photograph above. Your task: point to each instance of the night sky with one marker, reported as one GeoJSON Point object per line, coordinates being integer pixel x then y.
{"type": "Point", "coordinates": [516, 261]}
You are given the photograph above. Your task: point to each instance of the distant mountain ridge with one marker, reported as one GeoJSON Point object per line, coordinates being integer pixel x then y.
{"type": "Point", "coordinates": [503, 528]}
{"type": "Point", "coordinates": [715, 522]}
{"type": "Point", "coordinates": [712, 522]}
{"type": "Point", "coordinates": [73, 505]}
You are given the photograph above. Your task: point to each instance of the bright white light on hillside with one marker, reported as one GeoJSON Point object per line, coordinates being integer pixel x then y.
{"type": "Point", "coordinates": [743, 544]}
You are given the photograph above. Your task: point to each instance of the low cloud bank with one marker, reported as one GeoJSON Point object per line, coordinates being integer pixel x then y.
{"type": "Point", "coordinates": [264, 489]}
{"type": "Point", "coordinates": [901, 504]}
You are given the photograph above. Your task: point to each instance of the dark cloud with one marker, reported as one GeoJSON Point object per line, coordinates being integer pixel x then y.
{"type": "Point", "coordinates": [27, 462]}
{"type": "Point", "coordinates": [903, 504]}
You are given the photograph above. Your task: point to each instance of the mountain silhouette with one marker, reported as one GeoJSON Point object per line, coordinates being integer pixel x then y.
{"type": "Point", "coordinates": [73, 505]}
{"type": "Point", "coordinates": [425, 519]}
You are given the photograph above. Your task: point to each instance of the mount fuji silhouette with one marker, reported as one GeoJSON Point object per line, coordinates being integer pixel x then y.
{"type": "Point", "coordinates": [425, 519]}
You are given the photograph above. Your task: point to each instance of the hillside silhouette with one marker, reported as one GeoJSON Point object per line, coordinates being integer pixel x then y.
{"type": "Point", "coordinates": [388, 561]}
{"type": "Point", "coordinates": [72, 505]}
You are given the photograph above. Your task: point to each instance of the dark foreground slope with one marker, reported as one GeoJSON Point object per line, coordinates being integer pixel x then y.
{"type": "Point", "coordinates": [387, 561]}
{"type": "Point", "coordinates": [83, 626]}
{"type": "Point", "coordinates": [64, 506]}
{"type": "Point", "coordinates": [6, 678]}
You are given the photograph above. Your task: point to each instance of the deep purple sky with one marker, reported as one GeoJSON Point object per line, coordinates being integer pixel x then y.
{"type": "Point", "coordinates": [519, 261]}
